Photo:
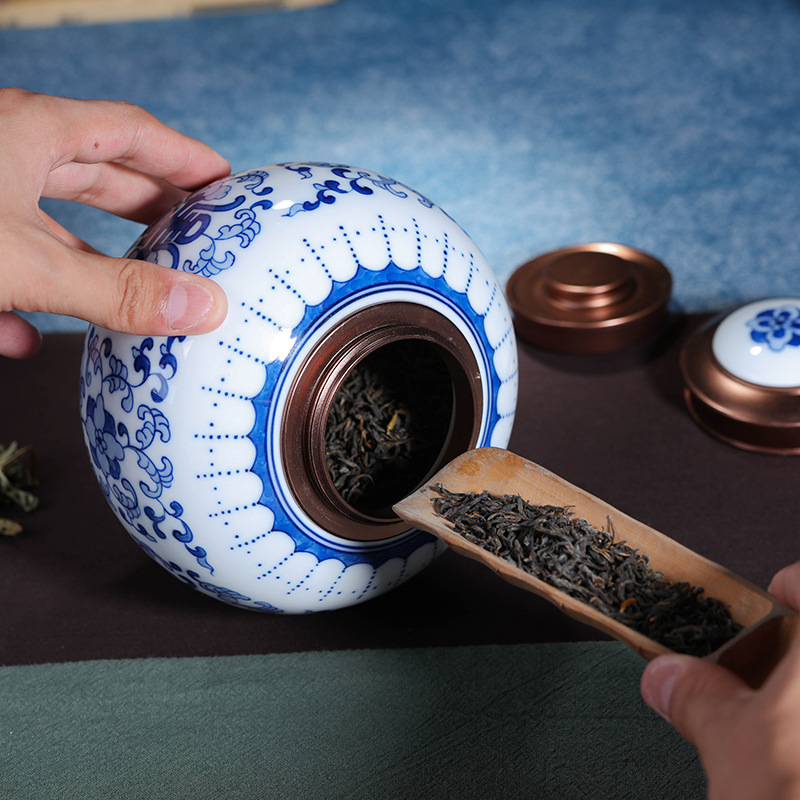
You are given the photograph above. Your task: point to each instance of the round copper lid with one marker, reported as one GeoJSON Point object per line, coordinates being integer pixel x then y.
{"type": "Point", "coordinates": [742, 376]}
{"type": "Point", "coordinates": [591, 298]}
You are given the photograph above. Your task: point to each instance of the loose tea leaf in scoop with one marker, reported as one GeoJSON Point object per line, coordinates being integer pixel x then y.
{"type": "Point", "coordinates": [590, 565]}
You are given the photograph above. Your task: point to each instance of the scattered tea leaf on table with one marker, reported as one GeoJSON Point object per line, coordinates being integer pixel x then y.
{"type": "Point", "coordinates": [17, 476]}
{"type": "Point", "coordinates": [9, 528]}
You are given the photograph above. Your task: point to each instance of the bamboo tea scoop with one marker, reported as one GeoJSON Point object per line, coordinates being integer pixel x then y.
{"type": "Point", "coordinates": [768, 625]}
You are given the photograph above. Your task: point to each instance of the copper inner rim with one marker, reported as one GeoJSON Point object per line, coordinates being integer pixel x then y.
{"type": "Point", "coordinates": [372, 333]}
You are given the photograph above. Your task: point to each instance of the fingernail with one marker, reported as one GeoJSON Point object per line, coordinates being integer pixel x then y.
{"type": "Point", "coordinates": [189, 305]}
{"type": "Point", "coordinates": [659, 684]}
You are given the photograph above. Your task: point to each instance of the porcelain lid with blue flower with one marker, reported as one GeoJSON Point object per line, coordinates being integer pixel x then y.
{"type": "Point", "coordinates": [760, 342]}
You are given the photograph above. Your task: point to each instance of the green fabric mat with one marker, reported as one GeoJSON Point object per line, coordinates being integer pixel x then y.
{"type": "Point", "coordinates": [524, 721]}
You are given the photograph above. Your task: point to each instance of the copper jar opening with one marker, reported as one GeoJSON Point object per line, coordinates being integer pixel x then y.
{"type": "Point", "coordinates": [427, 353]}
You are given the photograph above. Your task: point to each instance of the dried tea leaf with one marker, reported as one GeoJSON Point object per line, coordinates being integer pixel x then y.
{"type": "Point", "coordinates": [590, 565]}
{"type": "Point", "coordinates": [17, 476]}
{"type": "Point", "coordinates": [9, 528]}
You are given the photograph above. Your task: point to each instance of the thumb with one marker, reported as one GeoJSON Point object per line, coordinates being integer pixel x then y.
{"type": "Point", "coordinates": [786, 585]}
{"type": "Point", "coordinates": [149, 299]}
{"type": "Point", "coordinates": [691, 693]}
{"type": "Point", "coordinates": [127, 295]}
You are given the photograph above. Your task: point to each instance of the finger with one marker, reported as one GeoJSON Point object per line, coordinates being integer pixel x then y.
{"type": "Point", "coordinates": [114, 188]}
{"type": "Point", "coordinates": [96, 131]}
{"type": "Point", "coordinates": [93, 132]}
{"type": "Point", "coordinates": [18, 338]}
{"type": "Point", "coordinates": [691, 693]}
{"type": "Point", "coordinates": [786, 585]}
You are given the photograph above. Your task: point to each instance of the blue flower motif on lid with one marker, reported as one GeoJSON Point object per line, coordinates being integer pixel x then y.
{"type": "Point", "coordinates": [777, 327]}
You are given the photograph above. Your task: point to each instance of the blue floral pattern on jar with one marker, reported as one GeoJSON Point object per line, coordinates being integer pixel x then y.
{"type": "Point", "coordinates": [111, 442]}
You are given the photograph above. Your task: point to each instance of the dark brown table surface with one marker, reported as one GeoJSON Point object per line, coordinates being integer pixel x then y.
{"type": "Point", "coordinates": [74, 586]}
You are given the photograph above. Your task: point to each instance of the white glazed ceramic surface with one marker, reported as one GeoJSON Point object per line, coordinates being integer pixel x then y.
{"type": "Point", "coordinates": [760, 342]}
{"type": "Point", "coordinates": [183, 432]}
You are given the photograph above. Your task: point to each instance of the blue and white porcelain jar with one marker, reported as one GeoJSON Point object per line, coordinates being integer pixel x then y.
{"type": "Point", "coordinates": [742, 375]}
{"type": "Point", "coordinates": [211, 449]}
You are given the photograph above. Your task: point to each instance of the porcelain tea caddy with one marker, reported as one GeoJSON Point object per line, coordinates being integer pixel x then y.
{"type": "Point", "coordinates": [741, 371]}
{"type": "Point", "coordinates": [210, 449]}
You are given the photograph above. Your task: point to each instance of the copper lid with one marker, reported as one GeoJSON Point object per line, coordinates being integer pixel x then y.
{"type": "Point", "coordinates": [592, 298]}
{"type": "Point", "coordinates": [742, 376]}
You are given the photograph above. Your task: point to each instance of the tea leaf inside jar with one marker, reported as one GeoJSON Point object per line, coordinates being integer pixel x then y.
{"type": "Point", "coordinates": [387, 424]}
